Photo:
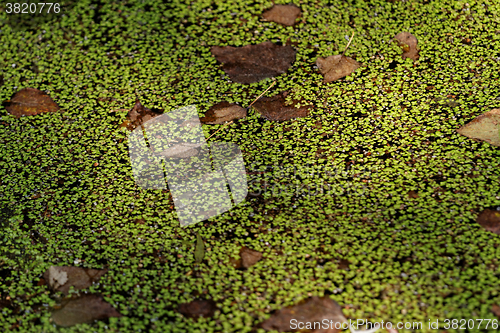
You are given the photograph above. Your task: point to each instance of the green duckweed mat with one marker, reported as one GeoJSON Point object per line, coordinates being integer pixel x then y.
{"type": "Point", "coordinates": [68, 197]}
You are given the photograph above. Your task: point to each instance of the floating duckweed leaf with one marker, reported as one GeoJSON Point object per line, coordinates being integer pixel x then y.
{"type": "Point", "coordinates": [282, 14]}
{"type": "Point", "coordinates": [223, 112]}
{"type": "Point", "coordinates": [61, 278]}
{"type": "Point", "coordinates": [249, 257]}
{"type": "Point", "coordinates": [29, 102]}
{"type": "Point", "coordinates": [336, 66]}
{"type": "Point", "coordinates": [253, 63]}
{"type": "Point", "coordinates": [84, 309]}
{"type": "Point", "coordinates": [484, 127]}
{"type": "Point", "coordinates": [198, 308]}
{"type": "Point", "coordinates": [490, 220]}
{"type": "Point", "coordinates": [275, 108]}
{"type": "Point", "coordinates": [409, 44]}
{"type": "Point", "coordinates": [312, 310]}
{"type": "Point", "coordinates": [138, 115]}
{"type": "Point", "coordinates": [199, 251]}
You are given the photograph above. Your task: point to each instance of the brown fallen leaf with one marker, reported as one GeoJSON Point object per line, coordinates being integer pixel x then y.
{"type": "Point", "coordinates": [275, 108]}
{"type": "Point", "coordinates": [30, 102]}
{"type": "Point", "coordinates": [412, 195]}
{"type": "Point", "coordinates": [485, 127]}
{"type": "Point", "coordinates": [314, 309]}
{"type": "Point", "coordinates": [489, 219]}
{"type": "Point", "coordinates": [496, 310]}
{"type": "Point", "coordinates": [249, 257]}
{"type": "Point", "coordinates": [409, 44]}
{"type": "Point", "coordinates": [336, 66]}
{"type": "Point", "coordinates": [235, 262]}
{"type": "Point", "coordinates": [198, 308]}
{"type": "Point", "coordinates": [138, 115]}
{"type": "Point", "coordinates": [253, 63]}
{"type": "Point", "coordinates": [61, 278]}
{"type": "Point", "coordinates": [341, 263]}
{"type": "Point", "coordinates": [223, 112]}
{"type": "Point", "coordinates": [83, 309]}
{"type": "Point", "coordinates": [282, 14]}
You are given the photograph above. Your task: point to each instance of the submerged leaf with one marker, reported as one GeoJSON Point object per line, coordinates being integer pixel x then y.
{"type": "Point", "coordinates": [84, 309]}
{"type": "Point", "coordinates": [282, 14]}
{"type": "Point", "coordinates": [336, 66]}
{"type": "Point", "coordinates": [490, 220]}
{"type": "Point", "coordinates": [253, 63]}
{"type": "Point", "coordinates": [29, 102]}
{"type": "Point", "coordinates": [275, 108]}
{"type": "Point", "coordinates": [485, 127]}
{"type": "Point", "coordinates": [198, 308]}
{"type": "Point", "coordinates": [61, 278]}
{"type": "Point", "coordinates": [413, 195]}
{"type": "Point", "coordinates": [409, 44]}
{"type": "Point", "coordinates": [199, 252]}
{"type": "Point", "coordinates": [223, 112]}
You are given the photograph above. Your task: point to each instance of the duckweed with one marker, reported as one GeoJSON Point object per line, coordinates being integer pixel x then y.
{"type": "Point", "coordinates": [68, 196]}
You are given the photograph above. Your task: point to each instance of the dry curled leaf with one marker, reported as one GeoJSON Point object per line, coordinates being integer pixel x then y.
{"type": "Point", "coordinates": [198, 308]}
{"type": "Point", "coordinates": [282, 14]}
{"type": "Point", "coordinates": [29, 102]}
{"type": "Point", "coordinates": [485, 127]}
{"type": "Point", "coordinates": [138, 115]}
{"type": "Point", "coordinates": [223, 112]}
{"type": "Point", "coordinates": [249, 257]}
{"type": "Point", "coordinates": [490, 220]}
{"type": "Point", "coordinates": [336, 67]}
{"type": "Point", "coordinates": [409, 44]}
{"type": "Point", "coordinates": [253, 63]}
{"type": "Point", "coordinates": [314, 309]}
{"type": "Point", "coordinates": [276, 108]}
{"type": "Point", "coordinates": [84, 309]}
{"type": "Point", "coordinates": [61, 278]}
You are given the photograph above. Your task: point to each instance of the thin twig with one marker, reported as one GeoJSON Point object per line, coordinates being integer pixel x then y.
{"type": "Point", "coordinates": [118, 110]}
{"type": "Point", "coordinates": [255, 100]}
{"type": "Point", "coordinates": [220, 129]}
{"type": "Point", "coordinates": [350, 40]}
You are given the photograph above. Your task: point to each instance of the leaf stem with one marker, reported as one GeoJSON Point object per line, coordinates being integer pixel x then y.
{"type": "Point", "coordinates": [350, 40]}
